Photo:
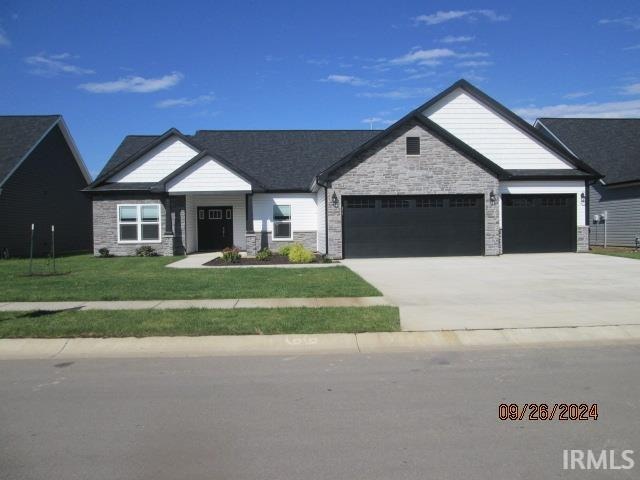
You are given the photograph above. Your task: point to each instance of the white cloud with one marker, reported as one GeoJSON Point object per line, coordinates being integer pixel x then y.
{"type": "Point", "coordinates": [579, 94]}
{"type": "Point", "coordinates": [423, 57]}
{"type": "Point", "coordinates": [432, 57]}
{"type": "Point", "coordinates": [460, 39]}
{"type": "Point", "coordinates": [633, 89]}
{"type": "Point", "coordinates": [372, 120]}
{"type": "Point", "coordinates": [442, 16]}
{"type": "Point", "coordinates": [632, 47]}
{"type": "Point", "coordinates": [346, 80]}
{"type": "Point", "coordinates": [4, 39]}
{"type": "Point", "coordinates": [398, 94]}
{"type": "Point", "coordinates": [134, 84]}
{"type": "Point", "coordinates": [633, 22]}
{"type": "Point", "coordinates": [475, 63]}
{"type": "Point", "coordinates": [52, 65]}
{"type": "Point", "coordinates": [185, 101]}
{"type": "Point", "coordinates": [629, 108]}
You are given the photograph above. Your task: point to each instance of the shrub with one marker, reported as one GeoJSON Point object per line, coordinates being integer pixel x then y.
{"type": "Point", "coordinates": [284, 251]}
{"type": "Point", "coordinates": [146, 251]}
{"type": "Point", "coordinates": [104, 253]}
{"type": "Point", "coordinates": [264, 254]}
{"type": "Point", "coordinates": [231, 255]}
{"type": "Point", "coordinates": [299, 254]}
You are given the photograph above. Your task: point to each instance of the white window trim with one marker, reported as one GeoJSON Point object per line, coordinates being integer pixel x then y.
{"type": "Point", "coordinates": [138, 223]}
{"type": "Point", "coordinates": [274, 222]}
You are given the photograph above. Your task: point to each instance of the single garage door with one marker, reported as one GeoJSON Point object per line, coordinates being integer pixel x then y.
{"type": "Point", "coordinates": [538, 223]}
{"type": "Point", "coordinates": [412, 226]}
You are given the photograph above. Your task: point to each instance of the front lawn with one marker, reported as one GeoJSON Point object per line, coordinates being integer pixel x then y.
{"type": "Point", "coordinates": [195, 322]}
{"type": "Point", "coordinates": [137, 278]}
{"type": "Point", "coordinates": [616, 252]}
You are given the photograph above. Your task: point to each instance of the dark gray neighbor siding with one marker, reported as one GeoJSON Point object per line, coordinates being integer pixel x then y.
{"type": "Point", "coordinates": [46, 190]}
{"type": "Point", "coordinates": [386, 170]}
{"type": "Point", "coordinates": [623, 214]}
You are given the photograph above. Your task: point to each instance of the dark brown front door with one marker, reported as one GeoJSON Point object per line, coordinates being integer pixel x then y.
{"type": "Point", "coordinates": [215, 228]}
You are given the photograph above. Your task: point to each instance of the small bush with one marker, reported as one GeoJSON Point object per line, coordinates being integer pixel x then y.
{"type": "Point", "coordinates": [104, 253]}
{"type": "Point", "coordinates": [284, 251]}
{"type": "Point", "coordinates": [299, 254]}
{"type": "Point", "coordinates": [264, 254]}
{"type": "Point", "coordinates": [326, 259]}
{"type": "Point", "coordinates": [231, 255]}
{"type": "Point", "coordinates": [146, 251]}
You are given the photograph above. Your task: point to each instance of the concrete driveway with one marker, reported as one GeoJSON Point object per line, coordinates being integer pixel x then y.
{"type": "Point", "coordinates": [510, 291]}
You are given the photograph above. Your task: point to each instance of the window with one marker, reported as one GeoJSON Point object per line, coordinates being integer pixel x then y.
{"type": "Point", "coordinates": [215, 214]}
{"type": "Point", "coordinates": [361, 202]}
{"type": "Point", "coordinates": [413, 145]}
{"type": "Point", "coordinates": [138, 223]}
{"type": "Point", "coordinates": [429, 203]}
{"type": "Point", "coordinates": [282, 222]}
{"type": "Point", "coordinates": [228, 214]}
{"type": "Point", "coordinates": [201, 214]}
{"type": "Point", "coordinates": [394, 203]}
{"type": "Point", "coordinates": [462, 202]}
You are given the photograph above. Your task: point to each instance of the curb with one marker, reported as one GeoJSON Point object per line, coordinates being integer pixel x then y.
{"type": "Point", "coordinates": [341, 343]}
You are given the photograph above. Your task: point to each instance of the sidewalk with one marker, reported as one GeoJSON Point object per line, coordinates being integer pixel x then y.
{"type": "Point", "coordinates": [207, 304]}
{"type": "Point", "coordinates": [33, 348]}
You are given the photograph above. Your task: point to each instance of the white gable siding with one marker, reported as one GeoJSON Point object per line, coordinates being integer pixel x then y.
{"type": "Point", "coordinates": [322, 224]}
{"type": "Point", "coordinates": [490, 134]}
{"type": "Point", "coordinates": [206, 176]}
{"type": "Point", "coordinates": [304, 211]}
{"type": "Point", "coordinates": [156, 164]}
{"type": "Point", "coordinates": [235, 201]}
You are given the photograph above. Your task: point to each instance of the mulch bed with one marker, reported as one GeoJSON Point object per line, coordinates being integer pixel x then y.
{"type": "Point", "coordinates": [274, 260]}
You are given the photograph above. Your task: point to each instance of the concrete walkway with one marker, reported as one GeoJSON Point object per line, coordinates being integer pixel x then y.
{"type": "Point", "coordinates": [206, 304]}
{"type": "Point", "coordinates": [346, 343]}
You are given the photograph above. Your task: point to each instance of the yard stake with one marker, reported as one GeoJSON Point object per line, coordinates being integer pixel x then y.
{"type": "Point", "coordinates": [53, 246]}
{"type": "Point", "coordinates": [31, 252]}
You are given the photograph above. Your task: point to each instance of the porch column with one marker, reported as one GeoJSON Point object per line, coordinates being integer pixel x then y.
{"type": "Point", "coordinates": [168, 222]}
{"type": "Point", "coordinates": [250, 235]}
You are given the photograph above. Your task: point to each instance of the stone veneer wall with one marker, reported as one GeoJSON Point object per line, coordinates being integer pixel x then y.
{"type": "Point", "coordinates": [583, 239]}
{"type": "Point", "coordinates": [386, 170]}
{"type": "Point", "coordinates": [105, 223]}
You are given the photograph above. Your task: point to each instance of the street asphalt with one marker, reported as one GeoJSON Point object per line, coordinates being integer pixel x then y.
{"type": "Point", "coordinates": [383, 416]}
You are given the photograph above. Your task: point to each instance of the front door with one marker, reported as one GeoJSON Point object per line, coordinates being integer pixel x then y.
{"type": "Point", "coordinates": [215, 228]}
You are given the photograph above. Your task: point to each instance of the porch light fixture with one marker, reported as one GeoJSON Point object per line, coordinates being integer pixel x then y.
{"type": "Point", "coordinates": [334, 200]}
{"type": "Point", "coordinates": [582, 198]}
{"type": "Point", "coordinates": [492, 198]}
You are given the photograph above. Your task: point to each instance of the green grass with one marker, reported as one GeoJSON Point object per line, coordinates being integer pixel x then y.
{"type": "Point", "coordinates": [136, 278]}
{"type": "Point", "coordinates": [616, 252]}
{"type": "Point", "coordinates": [194, 322]}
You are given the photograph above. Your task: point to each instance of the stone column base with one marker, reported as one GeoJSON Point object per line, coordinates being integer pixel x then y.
{"type": "Point", "coordinates": [583, 239]}
{"type": "Point", "coordinates": [251, 244]}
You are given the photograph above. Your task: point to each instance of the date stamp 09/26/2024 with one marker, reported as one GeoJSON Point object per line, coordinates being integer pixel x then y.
{"type": "Point", "coordinates": [548, 412]}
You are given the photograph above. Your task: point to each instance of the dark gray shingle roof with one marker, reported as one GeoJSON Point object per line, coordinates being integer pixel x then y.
{"type": "Point", "coordinates": [278, 159]}
{"type": "Point", "coordinates": [609, 145]}
{"type": "Point", "coordinates": [18, 135]}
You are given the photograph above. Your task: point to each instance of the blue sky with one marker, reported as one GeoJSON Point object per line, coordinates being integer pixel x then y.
{"type": "Point", "coordinates": [115, 68]}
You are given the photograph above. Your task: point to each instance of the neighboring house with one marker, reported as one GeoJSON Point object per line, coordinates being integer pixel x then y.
{"type": "Point", "coordinates": [41, 180]}
{"type": "Point", "coordinates": [612, 147]}
{"type": "Point", "coordinates": [459, 175]}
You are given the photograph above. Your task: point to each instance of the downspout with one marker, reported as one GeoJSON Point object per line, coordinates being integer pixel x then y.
{"type": "Point", "coordinates": [326, 214]}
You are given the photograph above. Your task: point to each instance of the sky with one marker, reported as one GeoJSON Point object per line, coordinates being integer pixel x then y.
{"type": "Point", "coordinates": [115, 68]}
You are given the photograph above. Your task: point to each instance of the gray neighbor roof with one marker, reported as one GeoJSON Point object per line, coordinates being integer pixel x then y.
{"type": "Point", "coordinates": [18, 135]}
{"type": "Point", "coordinates": [280, 160]}
{"type": "Point", "coordinates": [609, 145]}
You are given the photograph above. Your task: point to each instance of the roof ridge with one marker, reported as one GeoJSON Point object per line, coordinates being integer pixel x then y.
{"type": "Point", "coordinates": [588, 118]}
{"type": "Point", "coordinates": [291, 130]}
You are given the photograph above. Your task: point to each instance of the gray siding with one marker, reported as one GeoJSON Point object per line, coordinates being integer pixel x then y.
{"type": "Point", "coordinates": [387, 170]}
{"type": "Point", "coordinates": [46, 190]}
{"type": "Point", "coordinates": [623, 214]}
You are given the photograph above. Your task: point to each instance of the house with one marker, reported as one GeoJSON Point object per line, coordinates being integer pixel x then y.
{"type": "Point", "coordinates": [42, 176]}
{"type": "Point", "coordinates": [611, 146]}
{"type": "Point", "coordinates": [459, 175]}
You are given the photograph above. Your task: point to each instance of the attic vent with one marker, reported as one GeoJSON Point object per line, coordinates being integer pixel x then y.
{"type": "Point", "coordinates": [413, 145]}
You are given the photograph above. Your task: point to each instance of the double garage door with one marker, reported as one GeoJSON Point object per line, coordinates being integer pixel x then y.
{"type": "Point", "coordinates": [439, 225]}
